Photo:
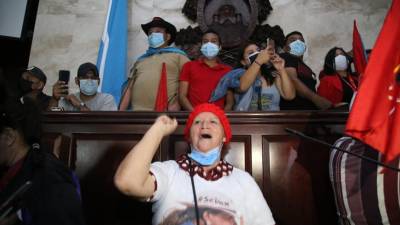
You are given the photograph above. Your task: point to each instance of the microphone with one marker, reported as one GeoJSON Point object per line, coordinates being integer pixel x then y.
{"type": "Point", "coordinates": [302, 135]}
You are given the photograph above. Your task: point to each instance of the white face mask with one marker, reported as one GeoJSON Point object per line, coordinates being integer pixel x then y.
{"type": "Point", "coordinates": [341, 63]}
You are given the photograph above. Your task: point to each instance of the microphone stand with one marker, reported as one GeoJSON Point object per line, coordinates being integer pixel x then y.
{"type": "Point", "coordinates": [9, 204]}
{"type": "Point", "coordinates": [302, 135]}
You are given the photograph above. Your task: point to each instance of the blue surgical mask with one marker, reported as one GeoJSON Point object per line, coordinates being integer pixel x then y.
{"type": "Point", "coordinates": [205, 159]}
{"type": "Point", "coordinates": [88, 86]}
{"type": "Point", "coordinates": [297, 48]}
{"type": "Point", "coordinates": [156, 40]}
{"type": "Point", "coordinates": [209, 50]}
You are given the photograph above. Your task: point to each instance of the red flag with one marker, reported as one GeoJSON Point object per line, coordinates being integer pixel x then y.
{"type": "Point", "coordinates": [375, 116]}
{"type": "Point", "coordinates": [162, 94]}
{"type": "Point", "coordinates": [360, 58]}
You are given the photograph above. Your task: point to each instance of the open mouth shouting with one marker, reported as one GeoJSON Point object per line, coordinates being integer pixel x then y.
{"type": "Point", "coordinates": [205, 136]}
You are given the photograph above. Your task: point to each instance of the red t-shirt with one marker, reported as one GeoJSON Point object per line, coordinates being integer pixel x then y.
{"type": "Point", "coordinates": [202, 80]}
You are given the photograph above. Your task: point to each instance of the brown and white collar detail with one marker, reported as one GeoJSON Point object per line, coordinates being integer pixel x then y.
{"type": "Point", "coordinates": [222, 169]}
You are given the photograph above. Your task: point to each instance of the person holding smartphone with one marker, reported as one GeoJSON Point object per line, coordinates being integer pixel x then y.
{"type": "Point", "coordinates": [88, 98]}
{"type": "Point", "coordinates": [261, 81]}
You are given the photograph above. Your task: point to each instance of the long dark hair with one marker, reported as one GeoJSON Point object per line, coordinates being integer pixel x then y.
{"type": "Point", "coordinates": [329, 64]}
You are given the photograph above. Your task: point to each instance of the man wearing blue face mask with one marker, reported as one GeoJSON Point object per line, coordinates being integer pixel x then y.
{"type": "Point", "coordinates": [303, 77]}
{"type": "Point", "coordinates": [200, 77]}
{"type": "Point", "coordinates": [145, 75]}
{"type": "Point", "coordinates": [87, 99]}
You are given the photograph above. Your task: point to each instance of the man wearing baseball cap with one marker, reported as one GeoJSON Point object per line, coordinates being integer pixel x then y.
{"type": "Point", "coordinates": [88, 98]}
{"type": "Point", "coordinates": [146, 73]}
{"type": "Point", "coordinates": [31, 85]}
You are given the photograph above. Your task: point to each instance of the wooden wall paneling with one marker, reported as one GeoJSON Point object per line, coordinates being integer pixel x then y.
{"type": "Point", "coordinates": [97, 158]}
{"type": "Point", "coordinates": [288, 184]}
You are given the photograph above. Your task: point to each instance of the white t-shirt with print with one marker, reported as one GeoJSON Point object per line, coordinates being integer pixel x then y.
{"type": "Point", "coordinates": [235, 197]}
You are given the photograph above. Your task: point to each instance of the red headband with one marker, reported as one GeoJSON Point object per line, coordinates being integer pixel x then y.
{"type": "Point", "coordinates": [207, 107]}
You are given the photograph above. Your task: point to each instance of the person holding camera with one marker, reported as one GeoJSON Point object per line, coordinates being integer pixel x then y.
{"type": "Point", "coordinates": [87, 99]}
{"type": "Point", "coordinates": [260, 82]}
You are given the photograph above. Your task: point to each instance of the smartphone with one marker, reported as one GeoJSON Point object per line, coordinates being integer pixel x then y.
{"type": "Point", "coordinates": [252, 57]}
{"type": "Point", "coordinates": [63, 75]}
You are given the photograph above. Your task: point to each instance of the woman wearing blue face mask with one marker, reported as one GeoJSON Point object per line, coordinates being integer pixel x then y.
{"type": "Point", "coordinates": [338, 83]}
{"type": "Point", "coordinates": [88, 98]}
{"type": "Point", "coordinates": [199, 78]}
{"type": "Point", "coordinates": [195, 179]}
{"type": "Point", "coordinates": [303, 77]}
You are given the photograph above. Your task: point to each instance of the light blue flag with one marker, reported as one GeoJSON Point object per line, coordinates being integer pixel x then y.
{"type": "Point", "coordinates": [111, 60]}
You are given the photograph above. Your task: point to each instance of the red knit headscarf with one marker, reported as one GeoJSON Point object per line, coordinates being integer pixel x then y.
{"type": "Point", "coordinates": [207, 107]}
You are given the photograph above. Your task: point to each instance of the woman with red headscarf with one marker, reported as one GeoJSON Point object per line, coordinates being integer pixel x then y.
{"type": "Point", "coordinates": [187, 190]}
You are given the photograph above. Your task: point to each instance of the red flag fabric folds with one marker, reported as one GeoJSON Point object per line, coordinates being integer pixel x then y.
{"type": "Point", "coordinates": [360, 58]}
{"type": "Point", "coordinates": [375, 115]}
{"type": "Point", "coordinates": [162, 94]}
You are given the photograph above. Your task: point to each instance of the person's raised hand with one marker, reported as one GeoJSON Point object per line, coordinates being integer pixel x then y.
{"type": "Point", "coordinates": [278, 62]}
{"type": "Point", "coordinates": [265, 55]}
{"type": "Point", "coordinates": [165, 124]}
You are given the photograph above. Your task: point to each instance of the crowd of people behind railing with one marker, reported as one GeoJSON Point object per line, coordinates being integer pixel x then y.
{"type": "Point", "coordinates": [267, 78]}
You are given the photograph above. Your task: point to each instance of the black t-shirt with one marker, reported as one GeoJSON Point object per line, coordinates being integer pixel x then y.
{"type": "Point", "coordinates": [347, 90]}
{"type": "Point", "coordinates": [305, 75]}
{"type": "Point", "coordinates": [43, 101]}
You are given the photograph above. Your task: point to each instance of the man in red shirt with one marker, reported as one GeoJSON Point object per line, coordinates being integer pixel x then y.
{"type": "Point", "coordinates": [200, 77]}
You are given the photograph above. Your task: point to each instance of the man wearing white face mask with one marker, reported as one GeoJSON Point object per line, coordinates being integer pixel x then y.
{"type": "Point", "coordinates": [303, 77]}
{"type": "Point", "coordinates": [199, 78]}
{"type": "Point", "coordinates": [339, 83]}
{"type": "Point", "coordinates": [87, 99]}
{"type": "Point", "coordinates": [146, 73]}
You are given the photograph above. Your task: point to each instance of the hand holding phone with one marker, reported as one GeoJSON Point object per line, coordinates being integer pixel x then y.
{"type": "Point", "coordinates": [270, 46]}
{"type": "Point", "coordinates": [63, 75]}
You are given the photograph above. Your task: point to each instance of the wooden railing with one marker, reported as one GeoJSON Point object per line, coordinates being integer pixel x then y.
{"type": "Point", "coordinates": [291, 172]}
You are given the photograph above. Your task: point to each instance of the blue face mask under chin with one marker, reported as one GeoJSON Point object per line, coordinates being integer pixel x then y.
{"type": "Point", "coordinates": [156, 40]}
{"type": "Point", "coordinates": [206, 159]}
